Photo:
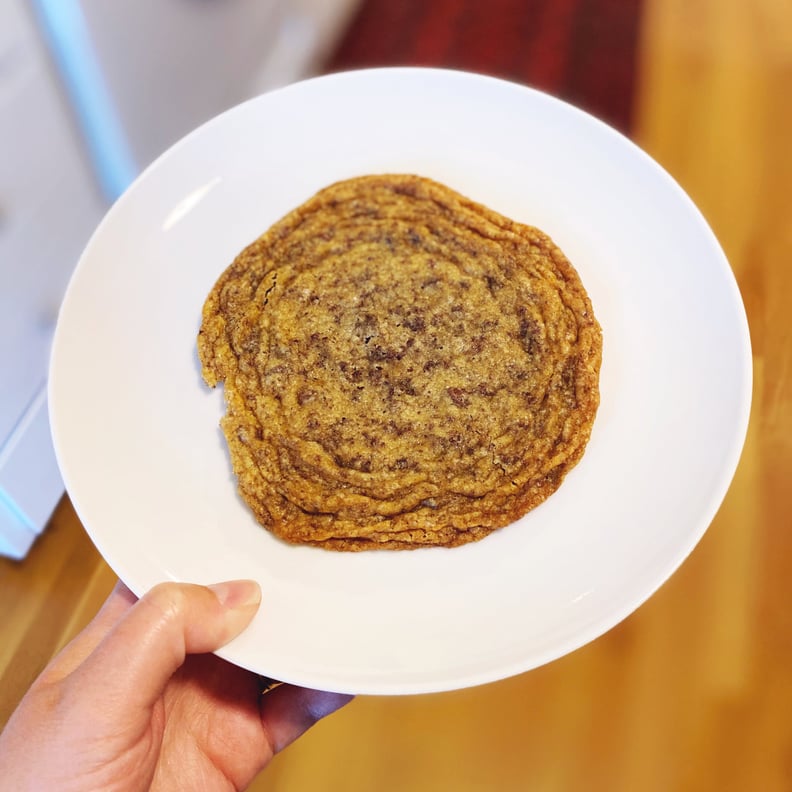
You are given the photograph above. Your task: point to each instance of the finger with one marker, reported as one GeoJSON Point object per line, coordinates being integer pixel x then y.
{"type": "Point", "coordinates": [289, 711]}
{"type": "Point", "coordinates": [134, 661]}
{"type": "Point", "coordinates": [74, 653]}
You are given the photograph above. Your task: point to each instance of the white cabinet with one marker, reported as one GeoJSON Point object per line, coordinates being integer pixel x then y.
{"type": "Point", "coordinates": [90, 92]}
{"type": "Point", "coordinates": [49, 205]}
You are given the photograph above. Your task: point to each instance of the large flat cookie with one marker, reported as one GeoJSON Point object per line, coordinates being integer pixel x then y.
{"type": "Point", "coordinates": [402, 367]}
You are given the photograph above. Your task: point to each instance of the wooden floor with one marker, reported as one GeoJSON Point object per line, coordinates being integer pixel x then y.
{"type": "Point", "coordinates": [694, 691]}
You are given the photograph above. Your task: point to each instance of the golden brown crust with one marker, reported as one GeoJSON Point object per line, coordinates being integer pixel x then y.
{"type": "Point", "coordinates": [402, 367]}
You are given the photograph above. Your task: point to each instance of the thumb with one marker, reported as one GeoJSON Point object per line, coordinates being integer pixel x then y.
{"type": "Point", "coordinates": [134, 661]}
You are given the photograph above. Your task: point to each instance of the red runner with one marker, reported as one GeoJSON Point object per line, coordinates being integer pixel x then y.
{"type": "Point", "coordinates": [583, 51]}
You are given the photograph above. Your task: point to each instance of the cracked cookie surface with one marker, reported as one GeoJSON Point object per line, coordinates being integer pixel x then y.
{"type": "Point", "coordinates": [402, 367]}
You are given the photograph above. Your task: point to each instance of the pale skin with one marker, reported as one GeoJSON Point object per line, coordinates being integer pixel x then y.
{"type": "Point", "coordinates": [137, 701]}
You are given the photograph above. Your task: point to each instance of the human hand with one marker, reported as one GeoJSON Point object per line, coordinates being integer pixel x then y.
{"type": "Point", "coordinates": [135, 701]}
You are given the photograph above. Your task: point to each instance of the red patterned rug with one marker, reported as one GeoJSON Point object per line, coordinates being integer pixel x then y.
{"type": "Point", "coordinates": [583, 51]}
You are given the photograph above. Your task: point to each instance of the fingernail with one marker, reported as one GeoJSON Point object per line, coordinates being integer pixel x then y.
{"type": "Point", "coordinates": [233, 594]}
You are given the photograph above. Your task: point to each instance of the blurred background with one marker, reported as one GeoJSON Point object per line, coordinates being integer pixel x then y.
{"type": "Point", "coordinates": [692, 692]}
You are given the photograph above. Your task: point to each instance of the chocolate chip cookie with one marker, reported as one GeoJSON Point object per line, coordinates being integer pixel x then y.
{"type": "Point", "coordinates": [402, 366]}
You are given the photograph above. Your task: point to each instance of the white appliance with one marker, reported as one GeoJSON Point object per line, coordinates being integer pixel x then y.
{"type": "Point", "coordinates": [91, 91]}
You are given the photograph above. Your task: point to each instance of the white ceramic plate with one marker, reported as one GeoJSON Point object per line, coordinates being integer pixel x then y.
{"type": "Point", "coordinates": [137, 436]}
